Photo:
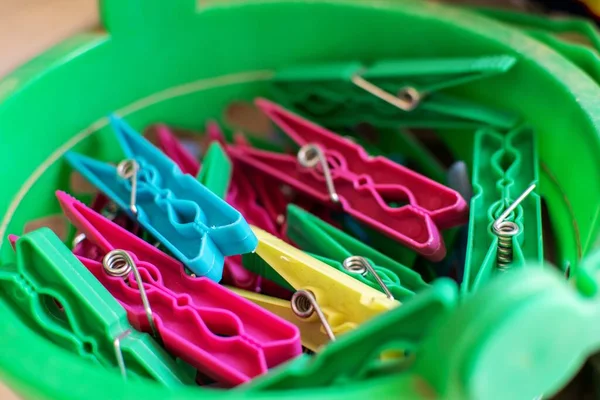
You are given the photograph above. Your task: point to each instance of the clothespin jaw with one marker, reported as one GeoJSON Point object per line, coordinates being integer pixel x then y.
{"type": "Point", "coordinates": [393, 93]}
{"type": "Point", "coordinates": [193, 223]}
{"type": "Point", "coordinates": [504, 166]}
{"type": "Point", "coordinates": [314, 235]}
{"type": "Point", "coordinates": [386, 196]}
{"type": "Point", "coordinates": [357, 355]}
{"type": "Point", "coordinates": [72, 309]}
{"type": "Point", "coordinates": [345, 302]}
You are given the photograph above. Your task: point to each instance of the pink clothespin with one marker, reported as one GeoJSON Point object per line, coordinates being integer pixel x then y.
{"type": "Point", "coordinates": [200, 321]}
{"type": "Point", "coordinates": [339, 174]}
{"type": "Point", "coordinates": [171, 146]}
{"type": "Point", "coordinates": [101, 203]}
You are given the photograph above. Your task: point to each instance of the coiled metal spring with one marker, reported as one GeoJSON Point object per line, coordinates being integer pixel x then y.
{"type": "Point", "coordinates": [505, 231]}
{"type": "Point", "coordinates": [119, 263]}
{"type": "Point", "coordinates": [360, 265]}
{"type": "Point", "coordinates": [304, 304]}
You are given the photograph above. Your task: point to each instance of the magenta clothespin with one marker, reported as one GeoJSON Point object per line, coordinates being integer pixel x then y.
{"type": "Point", "coordinates": [171, 146]}
{"type": "Point", "coordinates": [100, 203]}
{"type": "Point", "coordinates": [390, 198]}
{"type": "Point", "coordinates": [218, 317]}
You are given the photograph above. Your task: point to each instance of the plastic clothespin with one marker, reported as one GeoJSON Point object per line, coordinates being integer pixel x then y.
{"type": "Point", "coordinates": [459, 351]}
{"type": "Point", "coordinates": [503, 168]}
{"type": "Point", "coordinates": [223, 336]}
{"type": "Point", "coordinates": [393, 93]}
{"type": "Point", "coordinates": [171, 146]}
{"type": "Point", "coordinates": [341, 302]}
{"type": "Point", "coordinates": [63, 302]}
{"type": "Point", "coordinates": [358, 354]}
{"type": "Point", "coordinates": [338, 249]}
{"type": "Point", "coordinates": [194, 224]}
{"type": "Point", "coordinates": [215, 172]}
{"type": "Point", "coordinates": [376, 191]}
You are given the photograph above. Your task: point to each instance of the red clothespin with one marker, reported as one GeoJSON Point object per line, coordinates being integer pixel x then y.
{"type": "Point", "coordinates": [205, 324]}
{"type": "Point", "coordinates": [171, 146]}
{"type": "Point", "coordinates": [334, 172]}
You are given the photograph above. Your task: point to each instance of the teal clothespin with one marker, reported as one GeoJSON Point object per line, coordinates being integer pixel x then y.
{"type": "Point", "coordinates": [62, 301]}
{"type": "Point", "coordinates": [504, 167]}
{"type": "Point", "coordinates": [339, 250]}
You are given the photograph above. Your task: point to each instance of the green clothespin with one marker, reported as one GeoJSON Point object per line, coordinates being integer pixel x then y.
{"type": "Point", "coordinates": [504, 168]}
{"type": "Point", "coordinates": [357, 356]}
{"type": "Point", "coordinates": [339, 250]}
{"type": "Point", "coordinates": [393, 93]}
{"type": "Point", "coordinates": [62, 301]}
{"type": "Point", "coordinates": [522, 336]}
{"type": "Point", "coordinates": [216, 170]}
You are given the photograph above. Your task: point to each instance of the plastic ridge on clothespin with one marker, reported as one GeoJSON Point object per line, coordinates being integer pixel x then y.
{"type": "Point", "coordinates": [503, 168]}
{"type": "Point", "coordinates": [224, 336]}
{"type": "Point", "coordinates": [357, 355]}
{"type": "Point", "coordinates": [193, 223]}
{"type": "Point", "coordinates": [64, 303]}
{"type": "Point", "coordinates": [337, 249]}
{"type": "Point", "coordinates": [335, 172]}
{"type": "Point", "coordinates": [341, 302]}
{"type": "Point", "coordinates": [393, 93]}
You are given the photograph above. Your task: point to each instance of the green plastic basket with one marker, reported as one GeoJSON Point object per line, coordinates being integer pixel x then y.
{"type": "Point", "coordinates": [181, 62]}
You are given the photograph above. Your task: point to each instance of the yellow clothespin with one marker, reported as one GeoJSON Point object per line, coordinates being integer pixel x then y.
{"type": "Point", "coordinates": [326, 302]}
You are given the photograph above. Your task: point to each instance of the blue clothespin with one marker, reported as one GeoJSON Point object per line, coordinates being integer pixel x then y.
{"type": "Point", "coordinates": [194, 224]}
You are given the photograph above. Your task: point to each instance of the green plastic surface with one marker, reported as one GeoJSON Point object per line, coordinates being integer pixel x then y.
{"type": "Point", "coordinates": [326, 92]}
{"type": "Point", "coordinates": [503, 167]}
{"type": "Point", "coordinates": [216, 170]}
{"type": "Point", "coordinates": [182, 62]}
{"type": "Point", "coordinates": [61, 300]}
{"type": "Point", "coordinates": [333, 246]}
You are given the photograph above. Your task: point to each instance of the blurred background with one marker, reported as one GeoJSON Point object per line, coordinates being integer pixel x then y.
{"type": "Point", "coordinates": [27, 27]}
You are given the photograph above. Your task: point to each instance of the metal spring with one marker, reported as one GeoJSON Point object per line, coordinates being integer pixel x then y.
{"type": "Point", "coordinates": [128, 169]}
{"type": "Point", "coordinates": [408, 97]}
{"type": "Point", "coordinates": [309, 156]}
{"type": "Point", "coordinates": [119, 263]}
{"type": "Point", "coordinates": [304, 304]}
{"type": "Point", "coordinates": [505, 231]}
{"type": "Point", "coordinates": [360, 265]}
{"type": "Point", "coordinates": [119, 352]}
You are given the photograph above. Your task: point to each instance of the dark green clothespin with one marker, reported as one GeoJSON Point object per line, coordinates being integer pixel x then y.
{"type": "Point", "coordinates": [347, 254]}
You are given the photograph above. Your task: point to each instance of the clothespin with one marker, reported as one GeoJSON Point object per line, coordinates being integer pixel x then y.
{"type": "Point", "coordinates": [215, 172]}
{"type": "Point", "coordinates": [504, 167]}
{"type": "Point", "coordinates": [358, 354]}
{"type": "Point", "coordinates": [200, 321]}
{"type": "Point", "coordinates": [169, 144]}
{"type": "Point", "coordinates": [193, 223]}
{"type": "Point", "coordinates": [335, 172]}
{"type": "Point", "coordinates": [63, 302]}
{"type": "Point", "coordinates": [347, 254]}
{"type": "Point", "coordinates": [340, 302]}
{"type": "Point", "coordinates": [393, 93]}
{"type": "Point", "coordinates": [459, 351]}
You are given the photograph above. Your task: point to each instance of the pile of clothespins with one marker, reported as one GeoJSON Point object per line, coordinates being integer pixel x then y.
{"type": "Point", "coordinates": [222, 273]}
